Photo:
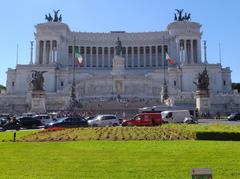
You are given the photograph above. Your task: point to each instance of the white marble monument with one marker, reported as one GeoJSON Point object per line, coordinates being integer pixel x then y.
{"type": "Point", "coordinates": [136, 73]}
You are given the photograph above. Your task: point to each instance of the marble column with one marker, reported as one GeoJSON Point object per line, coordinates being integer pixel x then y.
{"type": "Point", "coordinates": [178, 55]}
{"type": "Point", "coordinates": [50, 52]}
{"type": "Point", "coordinates": [85, 56]}
{"type": "Point", "coordinates": [109, 61]}
{"type": "Point", "coordinates": [126, 57]}
{"type": "Point", "coordinates": [57, 54]}
{"type": "Point", "coordinates": [150, 56]}
{"type": "Point", "coordinates": [191, 47]}
{"type": "Point", "coordinates": [103, 57]}
{"type": "Point", "coordinates": [37, 46]}
{"type": "Point", "coordinates": [199, 51]}
{"type": "Point", "coordinates": [185, 51]}
{"type": "Point", "coordinates": [144, 56]}
{"type": "Point", "coordinates": [156, 55]}
{"type": "Point", "coordinates": [91, 59]}
{"type": "Point", "coordinates": [132, 57]}
{"type": "Point", "coordinates": [97, 62]}
{"type": "Point", "coordinates": [138, 56]}
{"type": "Point", "coordinates": [44, 52]}
{"type": "Point", "coordinates": [162, 56]}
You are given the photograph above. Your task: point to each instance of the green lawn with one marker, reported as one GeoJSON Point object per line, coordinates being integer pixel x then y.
{"type": "Point", "coordinates": [118, 159]}
{"type": "Point", "coordinates": [8, 135]}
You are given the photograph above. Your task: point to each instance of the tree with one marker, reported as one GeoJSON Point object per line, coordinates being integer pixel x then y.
{"type": "Point", "coordinates": [2, 87]}
{"type": "Point", "coordinates": [236, 86]}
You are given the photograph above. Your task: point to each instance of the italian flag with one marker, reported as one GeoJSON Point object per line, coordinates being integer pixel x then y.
{"type": "Point", "coordinates": [169, 59]}
{"type": "Point", "coordinates": [78, 56]}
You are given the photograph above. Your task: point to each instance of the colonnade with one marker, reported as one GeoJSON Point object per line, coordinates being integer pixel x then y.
{"type": "Point", "coordinates": [135, 56]}
{"type": "Point", "coordinates": [189, 51]}
{"type": "Point", "coordinates": [46, 51]}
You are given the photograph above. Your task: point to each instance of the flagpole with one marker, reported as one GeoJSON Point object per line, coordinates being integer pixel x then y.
{"type": "Point", "coordinates": [17, 56]}
{"type": "Point", "coordinates": [220, 55]}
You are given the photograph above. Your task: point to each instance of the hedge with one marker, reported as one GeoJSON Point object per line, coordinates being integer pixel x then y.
{"type": "Point", "coordinates": [233, 136]}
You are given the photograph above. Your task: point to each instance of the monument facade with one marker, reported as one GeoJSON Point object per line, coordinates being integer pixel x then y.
{"type": "Point", "coordinates": [132, 69]}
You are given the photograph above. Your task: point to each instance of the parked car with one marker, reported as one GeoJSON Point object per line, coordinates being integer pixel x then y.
{"type": "Point", "coordinates": [12, 124]}
{"type": "Point", "coordinates": [68, 122]}
{"type": "Point", "coordinates": [3, 121]}
{"type": "Point", "coordinates": [89, 117]}
{"type": "Point", "coordinates": [30, 122]}
{"type": "Point", "coordinates": [144, 119]}
{"type": "Point", "coordinates": [104, 120]}
{"type": "Point", "coordinates": [29, 114]}
{"type": "Point", "coordinates": [190, 120]}
{"type": "Point", "coordinates": [44, 118]}
{"type": "Point", "coordinates": [234, 117]}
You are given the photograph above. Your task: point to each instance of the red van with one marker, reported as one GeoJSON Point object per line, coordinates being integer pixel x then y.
{"type": "Point", "coordinates": [144, 119]}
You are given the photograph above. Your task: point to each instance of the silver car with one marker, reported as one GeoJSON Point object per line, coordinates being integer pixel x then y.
{"type": "Point", "coordinates": [104, 120]}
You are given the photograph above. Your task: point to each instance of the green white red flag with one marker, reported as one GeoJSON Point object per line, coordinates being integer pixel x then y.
{"type": "Point", "coordinates": [170, 60]}
{"type": "Point", "coordinates": [78, 56]}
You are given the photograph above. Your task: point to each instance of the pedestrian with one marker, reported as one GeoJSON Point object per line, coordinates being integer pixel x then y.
{"type": "Point", "coordinates": [218, 116]}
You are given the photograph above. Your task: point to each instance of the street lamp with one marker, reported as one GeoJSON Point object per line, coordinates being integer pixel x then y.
{"type": "Point", "coordinates": [164, 90]}
{"type": "Point", "coordinates": [72, 103]}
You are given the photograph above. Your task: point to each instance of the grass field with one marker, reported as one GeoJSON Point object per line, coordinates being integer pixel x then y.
{"type": "Point", "coordinates": [118, 159]}
{"type": "Point", "coordinates": [8, 135]}
{"type": "Point", "coordinates": [117, 152]}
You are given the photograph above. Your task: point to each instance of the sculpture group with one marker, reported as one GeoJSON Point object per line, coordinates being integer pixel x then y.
{"type": "Point", "coordinates": [38, 80]}
{"type": "Point", "coordinates": [203, 81]}
{"type": "Point", "coordinates": [56, 18]}
{"type": "Point", "coordinates": [180, 17]}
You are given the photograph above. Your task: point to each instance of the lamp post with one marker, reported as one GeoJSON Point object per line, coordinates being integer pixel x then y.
{"type": "Point", "coordinates": [164, 91]}
{"type": "Point", "coordinates": [73, 87]}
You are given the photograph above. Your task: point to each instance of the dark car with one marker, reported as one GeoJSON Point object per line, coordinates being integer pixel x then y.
{"type": "Point", "coordinates": [30, 122]}
{"type": "Point", "coordinates": [6, 124]}
{"type": "Point", "coordinates": [68, 122]}
{"type": "Point", "coordinates": [234, 117]}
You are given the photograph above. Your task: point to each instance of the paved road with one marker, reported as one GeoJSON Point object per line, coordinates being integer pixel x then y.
{"type": "Point", "coordinates": [214, 121]}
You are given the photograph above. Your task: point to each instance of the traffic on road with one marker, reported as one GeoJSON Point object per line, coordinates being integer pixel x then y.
{"type": "Point", "coordinates": [73, 120]}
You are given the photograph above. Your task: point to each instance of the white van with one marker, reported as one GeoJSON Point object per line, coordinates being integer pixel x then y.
{"type": "Point", "coordinates": [175, 116]}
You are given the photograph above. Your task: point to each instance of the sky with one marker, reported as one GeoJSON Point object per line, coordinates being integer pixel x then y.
{"type": "Point", "coordinates": [220, 24]}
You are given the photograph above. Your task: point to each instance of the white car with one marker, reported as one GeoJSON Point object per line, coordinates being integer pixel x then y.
{"type": "Point", "coordinates": [104, 120]}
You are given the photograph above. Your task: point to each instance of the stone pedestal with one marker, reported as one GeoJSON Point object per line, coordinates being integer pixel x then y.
{"type": "Point", "coordinates": [38, 102]}
{"type": "Point", "coordinates": [118, 65]}
{"type": "Point", "coordinates": [203, 101]}
{"type": "Point", "coordinates": [118, 71]}
{"type": "Point", "coordinates": [164, 93]}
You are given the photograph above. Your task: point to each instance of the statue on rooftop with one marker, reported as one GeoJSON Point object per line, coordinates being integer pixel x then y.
{"type": "Point", "coordinates": [180, 17]}
{"type": "Point", "coordinates": [56, 15]}
{"type": "Point", "coordinates": [49, 17]}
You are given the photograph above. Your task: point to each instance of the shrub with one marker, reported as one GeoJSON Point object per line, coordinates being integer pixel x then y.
{"type": "Point", "coordinates": [234, 136]}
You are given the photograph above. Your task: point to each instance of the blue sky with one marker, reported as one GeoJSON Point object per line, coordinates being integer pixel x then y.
{"type": "Point", "coordinates": [220, 23]}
